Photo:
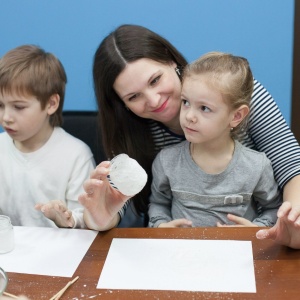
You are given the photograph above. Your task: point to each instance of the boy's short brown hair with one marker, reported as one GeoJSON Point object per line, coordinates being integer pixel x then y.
{"type": "Point", "coordinates": [29, 70]}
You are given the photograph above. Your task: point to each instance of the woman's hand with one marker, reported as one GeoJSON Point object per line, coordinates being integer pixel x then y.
{"type": "Point", "coordinates": [239, 222]}
{"type": "Point", "coordinates": [176, 224]}
{"type": "Point", "coordinates": [101, 201]}
{"type": "Point", "coordinates": [286, 231]}
{"type": "Point", "coordinates": [57, 211]}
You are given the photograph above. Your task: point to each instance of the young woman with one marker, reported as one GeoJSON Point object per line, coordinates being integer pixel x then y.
{"type": "Point", "coordinates": [137, 84]}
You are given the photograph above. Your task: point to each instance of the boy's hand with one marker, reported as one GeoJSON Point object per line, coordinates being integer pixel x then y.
{"type": "Point", "coordinates": [57, 211]}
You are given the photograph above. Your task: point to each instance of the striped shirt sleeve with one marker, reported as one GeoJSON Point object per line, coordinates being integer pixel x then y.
{"type": "Point", "coordinates": [269, 133]}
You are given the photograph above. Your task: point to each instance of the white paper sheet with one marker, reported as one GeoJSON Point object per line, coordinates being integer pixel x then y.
{"type": "Point", "coordinates": [47, 251]}
{"type": "Point", "coordinates": [179, 265]}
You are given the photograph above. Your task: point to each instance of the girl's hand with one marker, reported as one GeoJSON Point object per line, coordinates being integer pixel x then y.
{"type": "Point", "coordinates": [176, 224]}
{"type": "Point", "coordinates": [239, 222]}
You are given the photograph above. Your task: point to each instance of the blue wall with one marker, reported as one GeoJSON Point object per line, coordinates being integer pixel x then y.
{"type": "Point", "coordinates": [261, 30]}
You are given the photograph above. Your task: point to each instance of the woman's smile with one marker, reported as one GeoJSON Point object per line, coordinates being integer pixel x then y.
{"type": "Point", "coordinates": [162, 107]}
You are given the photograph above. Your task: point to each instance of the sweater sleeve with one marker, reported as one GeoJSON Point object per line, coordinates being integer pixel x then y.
{"type": "Point", "coordinates": [267, 195]}
{"type": "Point", "coordinates": [270, 133]}
{"type": "Point", "coordinates": [161, 195]}
{"type": "Point", "coordinates": [83, 166]}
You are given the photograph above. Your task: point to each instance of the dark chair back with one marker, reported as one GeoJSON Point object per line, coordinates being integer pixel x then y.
{"type": "Point", "coordinates": [84, 126]}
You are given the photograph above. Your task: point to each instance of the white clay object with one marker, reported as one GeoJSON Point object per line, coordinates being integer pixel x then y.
{"type": "Point", "coordinates": [127, 175]}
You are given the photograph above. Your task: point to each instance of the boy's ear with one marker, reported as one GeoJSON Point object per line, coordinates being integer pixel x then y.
{"type": "Point", "coordinates": [53, 104]}
{"type": "Point", "coordinates": [239, 115]}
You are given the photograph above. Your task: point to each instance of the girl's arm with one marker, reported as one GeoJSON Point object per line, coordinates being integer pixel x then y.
{"type": "Point", "coordinates": [161, 196]}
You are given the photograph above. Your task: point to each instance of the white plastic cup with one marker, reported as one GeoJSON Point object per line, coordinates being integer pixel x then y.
{"type": "Point", "coordinates": [7, 241]}
{"type": "Point", "coordinates": [127, 175]}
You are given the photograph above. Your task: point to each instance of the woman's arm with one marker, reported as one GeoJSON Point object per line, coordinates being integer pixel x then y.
{"type": "Point", "coordinates": [291, 192]}
{"type": "Point", "coordinates": [287, 229]}
{"type": "Point", "coordinates": [269, 132]}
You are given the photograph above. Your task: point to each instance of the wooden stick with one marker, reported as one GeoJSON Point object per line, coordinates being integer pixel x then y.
{"type": "Point", "coordinates": [10, 295]}
{"type": "Point", "coordinates": [60, 293]}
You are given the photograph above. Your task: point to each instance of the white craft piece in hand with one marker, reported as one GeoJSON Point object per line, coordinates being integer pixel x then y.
{"type": "Point", "coordinates": [127, 175]}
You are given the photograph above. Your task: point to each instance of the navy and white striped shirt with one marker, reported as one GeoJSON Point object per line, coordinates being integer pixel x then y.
{"type": "Point", "coordinates": [267, 132]}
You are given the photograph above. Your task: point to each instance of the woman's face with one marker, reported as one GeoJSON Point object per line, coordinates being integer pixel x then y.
{"type": "Point", "coordinates": [150, 89]}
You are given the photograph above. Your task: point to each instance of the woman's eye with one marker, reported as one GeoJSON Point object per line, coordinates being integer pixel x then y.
{"type": "Point", "coordinates": [205, 108]}
{"type": "Point", "coordinates": [132, 97]}
{"type": "Point", "coordinates": [155, 80]}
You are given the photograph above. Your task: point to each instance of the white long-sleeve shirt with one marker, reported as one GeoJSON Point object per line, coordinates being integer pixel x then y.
{"type": "Point", "coordinates": [55, 171]}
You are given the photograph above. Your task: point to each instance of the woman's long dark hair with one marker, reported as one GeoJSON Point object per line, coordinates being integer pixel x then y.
{"type": "Point", "coordinates": [122, 131]}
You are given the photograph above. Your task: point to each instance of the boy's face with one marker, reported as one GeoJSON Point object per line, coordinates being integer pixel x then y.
{"type": "Point", "coordinates": [23, 119]}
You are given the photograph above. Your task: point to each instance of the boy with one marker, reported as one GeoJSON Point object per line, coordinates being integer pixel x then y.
{"type": "Point", "coordinates": [39, 161]}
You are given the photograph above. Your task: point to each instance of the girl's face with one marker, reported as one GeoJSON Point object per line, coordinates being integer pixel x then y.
{"type": "Point", "coordinates": [150, 89]}
{"type": "Point", "coordinates": [204, 116]}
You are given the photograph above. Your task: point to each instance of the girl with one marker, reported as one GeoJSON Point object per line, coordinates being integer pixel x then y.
{"type": "Point", "coordinates": [214, 174]}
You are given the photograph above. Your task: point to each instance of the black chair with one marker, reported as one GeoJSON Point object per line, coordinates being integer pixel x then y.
{"type": "Point", "coordinates": [84, 126]}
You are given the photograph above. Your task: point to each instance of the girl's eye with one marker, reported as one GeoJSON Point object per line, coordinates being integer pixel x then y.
{"type": "Point", "coordinates": [205, 108]}
{"type": "Point", "coordinates": [155, 80]}
{"type": "Point", "coordinates": [185, 102]}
